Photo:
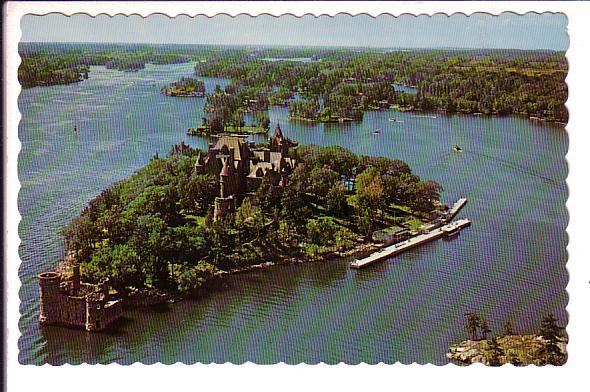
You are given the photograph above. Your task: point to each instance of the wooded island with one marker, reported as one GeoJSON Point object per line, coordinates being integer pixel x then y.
{"type": "Point", "coordinates": [185, 87]}
{"type": "Point", "coordinates": [334, 84]}
{"type": "Point", "coordinates": [193, 214]}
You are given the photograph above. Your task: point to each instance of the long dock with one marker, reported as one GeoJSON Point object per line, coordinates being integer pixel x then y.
{"type": "Point", "coordinates": [410, 243]}
{"type": "Point", "coordinates": [458, 206]}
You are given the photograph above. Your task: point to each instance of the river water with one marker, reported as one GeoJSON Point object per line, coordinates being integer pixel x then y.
{"type": "Point", "coordinates": [509, 265]}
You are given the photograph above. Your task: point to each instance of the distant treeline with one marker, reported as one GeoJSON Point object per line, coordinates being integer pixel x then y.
{"type": "Point", "coordinates": [324, 84]}
{"type": "Point", "coordinates": [341, 84]}
{"type": "Point", "coordinates": [49, 64]}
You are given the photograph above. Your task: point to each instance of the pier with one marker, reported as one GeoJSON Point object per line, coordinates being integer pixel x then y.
{"type": "Point", "coordinates": [458, 206]}
{"type": "Point", "coordinates": [408, 244]}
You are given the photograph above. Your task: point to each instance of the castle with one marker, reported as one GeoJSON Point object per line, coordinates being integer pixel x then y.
{"type": "Point", "coordinates": [240, 166]}
{"type": "Point", "coordinates": [76, 304]}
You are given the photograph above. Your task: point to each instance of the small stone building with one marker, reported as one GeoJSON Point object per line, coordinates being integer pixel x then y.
{"type": "Point", "coordinates": [75, 304]}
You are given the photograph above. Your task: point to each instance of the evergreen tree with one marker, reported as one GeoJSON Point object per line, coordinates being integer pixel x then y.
{"type": "Point", "coordinates": [472, 324]}
{"type": "Point", "coordinates": [551, 353]}
{"type": "Point", "coordinates": [495, 353]}
{"type": "Point", "coordinates": [485, 328]}
{"type": "Point", "coordinates": [508, 329]}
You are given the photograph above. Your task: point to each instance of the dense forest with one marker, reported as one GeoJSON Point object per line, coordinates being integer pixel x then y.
{"type": "Point", "coordinates": [155, 229]}
{"type": "Point", "coordinates": [48, 64]}
{"type": "Point", "coordinates": [344, 83]}
{"type": "Point", "coordinates": [323, 84]}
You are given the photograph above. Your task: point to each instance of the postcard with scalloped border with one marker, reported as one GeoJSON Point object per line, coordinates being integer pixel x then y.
{"type": "Point", "coordinates": [291, 189]}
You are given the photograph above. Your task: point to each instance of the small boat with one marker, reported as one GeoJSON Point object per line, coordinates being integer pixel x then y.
{"type": "Point", "coordinates": [451, 232]}
{"type": "Point", "coordinates": [457, 148]}
{"type": "Point", "coordinates": [75, 128]}
{"type": "Point", "coordinates": [377, 131]}
{"type": "Point", "coordinates": [392, 120]}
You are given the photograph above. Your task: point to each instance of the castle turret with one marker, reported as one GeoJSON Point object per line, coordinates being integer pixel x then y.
{"type": "Point", "coordinates": [94, 304]}
{"type": "Point", "coordinates": [49, 297]}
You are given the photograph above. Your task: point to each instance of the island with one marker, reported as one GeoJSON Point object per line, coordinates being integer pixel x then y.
{"type": "Point", "coordinates": [546, 347]}
{"type": "Point", "coordinates": [185, 220]}
{"type": "Point", "coordinates": [333, 84]}
{"type": "Point", "coordinates": [185, 87]}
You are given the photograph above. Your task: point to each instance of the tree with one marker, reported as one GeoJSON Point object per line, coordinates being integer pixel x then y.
{"type": "Point", "coordinates": [196, 193]}
{"type": "Point", "coordinates": [321, 180]}
{"type": "Point", "coordinates": [425, 194]}
{"type": "Point", "coordinates": [551, 332]}
{"type": "Point", "coordinates": [495, 353]}
{"type": "Point", "coordinates": [216, 124]}
{"type": "Point", "coordinates": [268, 196]}
{"type": "Point", "coordinates": [508, 330]}
{"type": "Point", "coordinates": [485, 328]}
{"type": "Point", "coordinates": [472, 324]}
{"type": "Point", "coordinates": [238, 120]}
{"type": "Point", "coordinates": [295, 206]}
{"type": "Point", "coordinates": [337, 203]}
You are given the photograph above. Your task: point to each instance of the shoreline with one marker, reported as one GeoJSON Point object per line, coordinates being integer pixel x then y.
{"type": "Point", "coordinates": [404, 109]}
{"type": "Point", "coordinates": [518, 350]}
{"type": "Point", "coordinates": [215, 280]}
{"type": "Point", "coordinates": [154, 297]}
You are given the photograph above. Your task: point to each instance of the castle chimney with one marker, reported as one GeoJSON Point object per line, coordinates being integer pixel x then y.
{"type": "Point", "coordinates": [76, 279]}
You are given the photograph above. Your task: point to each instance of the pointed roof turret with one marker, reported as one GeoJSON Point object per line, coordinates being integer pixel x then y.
{"type": "Point", "coordinates": [278, 132]}
{"type": "Point", "coordinates": [228, 168]}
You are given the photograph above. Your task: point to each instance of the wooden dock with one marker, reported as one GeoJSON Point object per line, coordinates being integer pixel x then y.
{"type": "Point", "coordinates": [458, 206]}
{"type": "Point", "coordinates": [410, 243]}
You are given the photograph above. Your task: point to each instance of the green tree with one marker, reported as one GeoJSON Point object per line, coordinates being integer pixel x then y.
{"type": "Point", "coordinates": [321, 180]}
{"type": "Point", "coordinates": [508, 330]}
{"type": "Point", "coordinates": [495, 353]}
{"type": "Point", "coordinates": [337, 203]}
{"type": "Point", "coordinates": [369, 199]}
{"type": "Point", "coordinates": [551, 332]}
{"type": "Point", "coordinates": [485, 328]}
{"type": "Point", "coordinates": [472, 324]}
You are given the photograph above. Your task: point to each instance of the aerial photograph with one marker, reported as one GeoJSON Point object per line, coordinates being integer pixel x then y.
{"type": "Point", "coordinates": [290, 189]}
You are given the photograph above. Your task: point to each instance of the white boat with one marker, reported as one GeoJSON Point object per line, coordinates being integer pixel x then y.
{"type": "Point", "coordinates": [450, 232]}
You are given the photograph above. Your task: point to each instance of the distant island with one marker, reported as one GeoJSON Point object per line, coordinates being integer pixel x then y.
{"type": "Point", "coordinates": [44, 64]}
{"type": "Point", "coordinates": [185, 87]}
{"type": "Point", "coordinates": [547, 347]}
{"type": "Point", "coordinates": [333, 84]}
{"type": "Point", "coordinates": [194, 215]}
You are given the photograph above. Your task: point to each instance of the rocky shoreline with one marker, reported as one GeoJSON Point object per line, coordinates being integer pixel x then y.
{"type": "Point", "coordinates": [519, 350]}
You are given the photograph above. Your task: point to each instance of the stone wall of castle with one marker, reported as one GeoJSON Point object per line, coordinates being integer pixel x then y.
{"type": "Point", "coordinates": [72, 311]}
{"type": "Point", "coordinates": [86, 309]}
{"type": "Point", "coordinates": [111, 313]}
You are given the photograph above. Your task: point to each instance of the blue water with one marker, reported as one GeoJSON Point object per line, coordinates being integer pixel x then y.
{"type": "Point", "coordinates": [509, 265]}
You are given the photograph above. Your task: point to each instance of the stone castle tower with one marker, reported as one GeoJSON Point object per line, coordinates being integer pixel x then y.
{"type": "Point", "coordinates": [75, 304]}
{"type": "Point", "coordinates": [49, 297]}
